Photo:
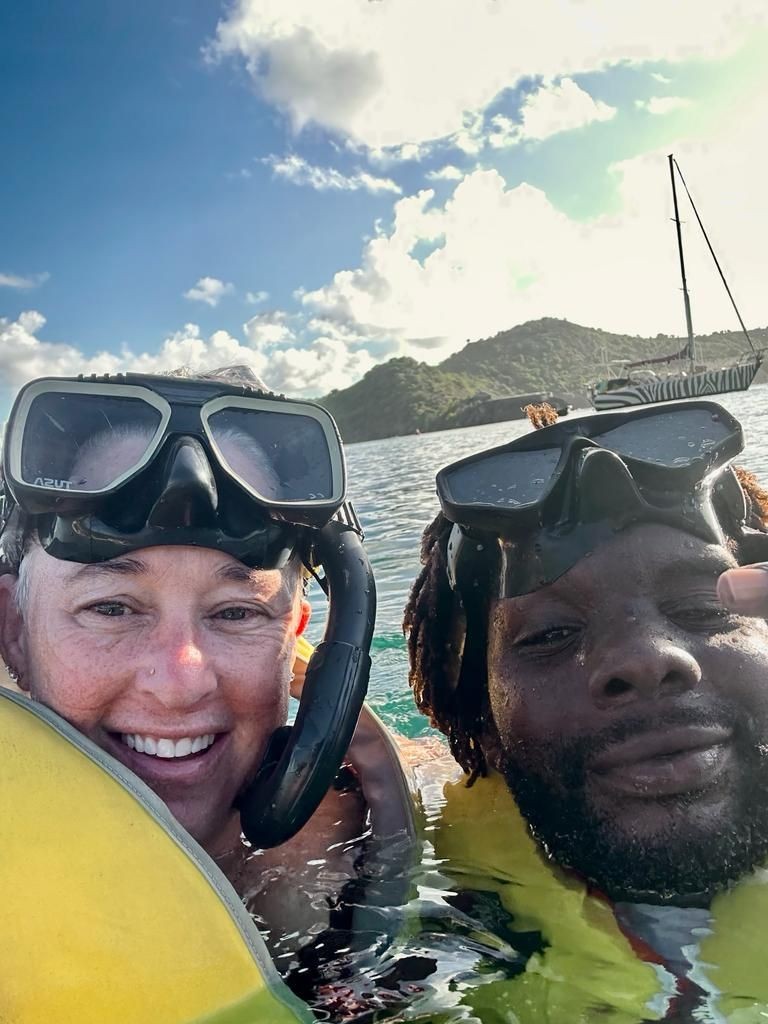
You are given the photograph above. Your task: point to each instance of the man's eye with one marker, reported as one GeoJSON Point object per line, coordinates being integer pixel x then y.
{"type": "Point", "coordinates": [556, 636]}
{"type": "Point", "coordinates": [704, 617]}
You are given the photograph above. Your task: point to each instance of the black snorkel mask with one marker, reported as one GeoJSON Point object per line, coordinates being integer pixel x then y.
{"type": "Point", "coordinates": [102, 466]}
{"type": "Point", "coordinates": [526, 512]}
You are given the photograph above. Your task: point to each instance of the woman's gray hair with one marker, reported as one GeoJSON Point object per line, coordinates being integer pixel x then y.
{"type": "Point", "coordinates": [238, 375]}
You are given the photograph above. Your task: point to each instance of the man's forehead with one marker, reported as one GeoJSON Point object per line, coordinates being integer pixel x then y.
{"type": "Point", "coordinates": [643, 556]}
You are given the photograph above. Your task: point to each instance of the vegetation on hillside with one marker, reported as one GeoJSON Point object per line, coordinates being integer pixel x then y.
{"type": "Point", "coordinates": [556, 355]}
{"type": "Point", "coordinates": [403, 396]}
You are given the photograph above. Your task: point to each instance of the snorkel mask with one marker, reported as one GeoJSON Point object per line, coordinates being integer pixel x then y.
{"type": "Point", "coordinates": [526, 512]}
{"type": "Point", "coordinates": [102, 466]}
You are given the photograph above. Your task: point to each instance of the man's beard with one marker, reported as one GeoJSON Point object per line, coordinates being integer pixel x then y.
{"type": "Point", "coordinates": [690, 859]}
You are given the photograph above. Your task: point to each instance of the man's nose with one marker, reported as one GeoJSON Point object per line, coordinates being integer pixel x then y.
{"type": "Point", "coordinates": [176, 671]}
{"type": "Point", "coordinates": [642, 669]}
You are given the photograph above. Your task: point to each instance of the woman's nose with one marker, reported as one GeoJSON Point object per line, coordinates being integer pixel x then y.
{"type": "Point", "coordinates": [176, 671]}
{"type": "Point", "coordinates": [642, 669]}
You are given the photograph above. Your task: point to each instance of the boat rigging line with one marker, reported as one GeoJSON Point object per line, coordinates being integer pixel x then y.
{"type": "Point", "coordinates": [673, 165]}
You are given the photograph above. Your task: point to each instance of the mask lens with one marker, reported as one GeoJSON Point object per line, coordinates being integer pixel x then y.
{"type": "Point", "coordinates": [283, 457]}
{"type": "Point", "coordinates": [505, 480]}
{"type": "Point", "coordinates": [86, 443]}
{"type": "Point", "coordinates": [667, 439]}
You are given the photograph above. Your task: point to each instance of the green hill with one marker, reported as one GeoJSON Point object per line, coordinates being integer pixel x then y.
{"type": "Point", "coordinates": [556, 355]}
{"type": "Point", "coordinates": [403, 396]}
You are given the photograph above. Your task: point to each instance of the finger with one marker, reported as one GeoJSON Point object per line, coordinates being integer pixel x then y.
{"type": "Point", "coordinates": [745, 589]}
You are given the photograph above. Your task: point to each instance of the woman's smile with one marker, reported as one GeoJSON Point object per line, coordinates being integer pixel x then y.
{"type": "Point", "coordinates": [155, 764]}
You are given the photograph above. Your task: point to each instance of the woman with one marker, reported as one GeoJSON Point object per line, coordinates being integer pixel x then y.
{"type": "Point", "coordinates": [157, 535]}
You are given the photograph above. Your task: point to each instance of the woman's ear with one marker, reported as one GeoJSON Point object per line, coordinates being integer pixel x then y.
{"type": "Point", "coordinates": [12, 647]}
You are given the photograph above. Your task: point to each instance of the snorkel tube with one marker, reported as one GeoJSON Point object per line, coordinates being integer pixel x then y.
{"type": "Point", "coordinates": [303, 759]}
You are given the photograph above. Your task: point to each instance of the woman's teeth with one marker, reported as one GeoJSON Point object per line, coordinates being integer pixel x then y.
{"type": "Point", "coordinates": [157, 746]}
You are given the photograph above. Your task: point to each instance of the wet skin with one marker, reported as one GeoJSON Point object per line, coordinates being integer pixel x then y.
{"type": "Point", "coordinates": [167, 642]}
{"type": "Point", "coordinates": [625, 690]}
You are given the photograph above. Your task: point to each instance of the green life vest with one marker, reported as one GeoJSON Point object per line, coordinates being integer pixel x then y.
{"type": "Point", "coordinates": [587, 969]}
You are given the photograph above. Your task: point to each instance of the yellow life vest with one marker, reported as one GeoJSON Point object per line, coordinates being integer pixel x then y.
{"type": "Point", "coordinates": [587, 970]}
{"type": "Point", "coordinates": [109, 911]}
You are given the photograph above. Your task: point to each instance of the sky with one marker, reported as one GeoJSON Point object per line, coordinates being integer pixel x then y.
{"type": "Point", "coordinates": [312, 188]}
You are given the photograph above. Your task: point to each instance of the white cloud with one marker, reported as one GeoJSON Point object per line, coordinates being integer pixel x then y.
{"type": "Point", "coordinates": [560, 107]}
{"type": "Point", "coordinates": [23, 355]}
{"type": "Point", "coordinates": [256, 298]}
{"type": "Point", "coordinates": [298, 171]}
{"type": "Point", "coordinates": [316, 369]}
{"type": "Point", "coordinates": [470, 138]}
{"type": "Point", "coordinates": [386, 155]}
{"type": "Point", "coordinates": [447, 173]}
{"type": "Point", "coordinates": [209, 290]}
{"type": "Point", "coordinates": [268, 329]}
{"type": "Point", "coordinates": [664, 104]}
{"type": "Point", "coordinates": [557, 106]}
{"type": "Point", "coordinates": [661, 79]}
{"type": "Point", "coordinates": [284, 363]}
{"type": "Point", "coordinates": [398, 73]}
{"type": "Point", "coordinates": [23, 283]}
{"type": "Point", "coordinates": [498, 256]}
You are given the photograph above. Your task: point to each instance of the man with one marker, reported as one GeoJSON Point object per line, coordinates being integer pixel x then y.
{"type": "Point", "coordinates": [155, 535]}
{"type": "Point", "coordinates": [567, 636]}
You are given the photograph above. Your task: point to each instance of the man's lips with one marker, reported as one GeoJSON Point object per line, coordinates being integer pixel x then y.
{"type": "Point", "coordinates": [665, 762]}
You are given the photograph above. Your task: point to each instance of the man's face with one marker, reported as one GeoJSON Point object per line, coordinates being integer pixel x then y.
{"type": "Point", "coordinates": [167, 651]}
{"type": "Point", "coordinates": [630, 717]}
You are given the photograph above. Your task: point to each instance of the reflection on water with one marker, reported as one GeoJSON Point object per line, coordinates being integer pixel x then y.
{"type": "Point", "coordinates": [490, 930]}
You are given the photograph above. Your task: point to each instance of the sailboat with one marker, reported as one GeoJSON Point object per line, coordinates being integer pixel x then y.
{"type": "Point", "coordinates": [677, 375]}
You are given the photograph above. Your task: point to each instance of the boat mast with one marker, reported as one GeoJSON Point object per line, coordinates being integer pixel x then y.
{"type": "Point", "coordinates": [714, 257]}
{"type": "Point", "coordinates": [686, 297]}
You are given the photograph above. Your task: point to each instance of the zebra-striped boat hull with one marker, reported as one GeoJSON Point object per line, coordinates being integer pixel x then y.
{"type": "Point", "coordinates": [694, 385]}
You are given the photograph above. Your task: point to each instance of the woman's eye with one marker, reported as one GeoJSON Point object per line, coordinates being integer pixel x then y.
{"type": "Point", "coordinates": [235, 614]}
{"type": "Point", "coordinates": [111, 609]}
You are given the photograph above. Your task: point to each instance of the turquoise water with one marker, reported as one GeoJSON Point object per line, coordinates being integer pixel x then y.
{"type": "Point", "coordinates": [392, 483]}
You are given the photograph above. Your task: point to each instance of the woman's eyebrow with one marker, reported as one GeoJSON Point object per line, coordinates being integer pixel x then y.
{"type": "Point", "coordinates": [237, 573]}
{"type": "Point", "coordinates": [114, 567]}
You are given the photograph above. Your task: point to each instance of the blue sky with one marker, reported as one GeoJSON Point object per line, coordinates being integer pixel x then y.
{"type": "Point", "coordinates": [314, 188]}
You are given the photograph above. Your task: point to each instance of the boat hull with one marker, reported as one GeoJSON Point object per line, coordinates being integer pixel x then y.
{"type": "Point", "coordinates": [672, 388]}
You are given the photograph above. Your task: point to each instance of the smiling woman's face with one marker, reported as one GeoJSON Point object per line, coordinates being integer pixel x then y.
{"type": "Point", "coordinates": [176, 660]}
{"type": "Point", "coordinates": [629, 714]}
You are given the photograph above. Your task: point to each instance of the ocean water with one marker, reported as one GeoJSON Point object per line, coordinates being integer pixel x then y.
{"type": "Point", "coordinates": [392, 484]}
